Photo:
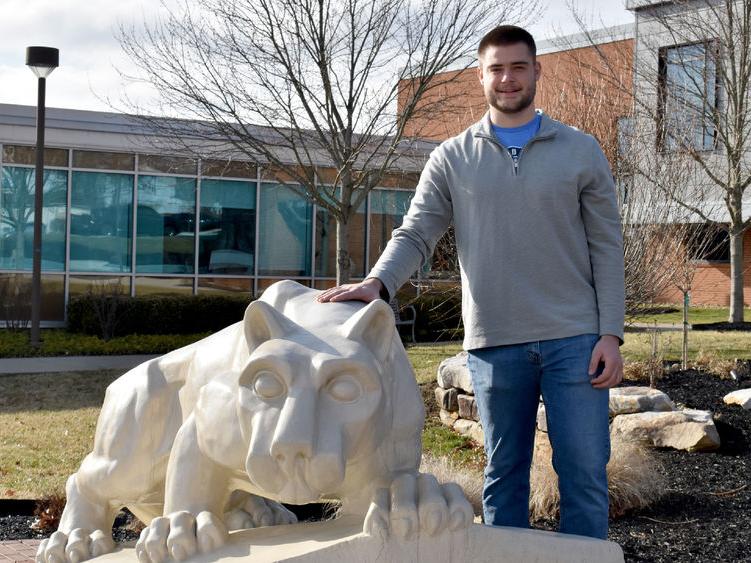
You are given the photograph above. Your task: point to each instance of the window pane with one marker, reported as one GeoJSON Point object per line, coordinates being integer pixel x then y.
{"type": "Point", "coordinates": [165, 225]}
{"type": "Point", "coordinates": [268, 282]}
{"type": "Point", "coordinates": [225, 286]}
{"type": "Point", "coordinates": [17, 218]}
{"type": "Point", "coordinates": [387, 207]}
{"type": "Point", "coordinates": [228, 168]}
{"type": "Point", "coordinates": [228, 227]}
{"type": "Point", "coordinates": [15, 298]}
{"type": "Point", "coordinates": [326, 243]}
{"type": "Point", "coordinates": [284, 240]}
{"type": "Point", "coordinates": [80, 285]}
{"type": "Point", "coordinates": [163, 286]}
{"type": "Point", "coordinates": [104, 160]}
{"type": "Point", "coordinates": [17, 154]}
{"type": "Point", "coordinates": [101, 222]}
{"type": "Point", "coordinates": [167, 164]}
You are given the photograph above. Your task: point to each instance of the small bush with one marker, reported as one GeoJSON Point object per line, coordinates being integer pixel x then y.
{"type": "Point", "coordinates": [170, 314]}
{"type": "Point", "coordinates": [634, 480]}
{"type": "Point", "coordinates": [439, 316]}
{"type": "Point", "coordinates": [712, 363]}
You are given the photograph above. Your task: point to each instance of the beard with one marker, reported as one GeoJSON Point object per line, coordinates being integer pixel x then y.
{"type": "Point", "coordinates": [512, 106]}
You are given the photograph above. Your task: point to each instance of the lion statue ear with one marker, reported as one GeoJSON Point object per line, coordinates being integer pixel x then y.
{"type": "Point", "coordinates": [374, 326]}
{"type": "Point", "coordinates": [262, 322]}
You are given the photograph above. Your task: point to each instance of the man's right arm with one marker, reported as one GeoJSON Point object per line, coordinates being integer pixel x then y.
{"type": "Point", "coordinates": [412, 244]}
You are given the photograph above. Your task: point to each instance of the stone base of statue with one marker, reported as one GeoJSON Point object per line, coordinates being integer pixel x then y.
{"type": "Point", "coordinates": [343, 541]}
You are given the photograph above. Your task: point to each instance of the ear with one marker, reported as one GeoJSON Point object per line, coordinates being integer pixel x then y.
{"type": "Point", "coordinates": [262, 322]}
{"type": "Point", "coordinates": [374, 326]}
{"type": "Point", "coordinates": [479, 71]}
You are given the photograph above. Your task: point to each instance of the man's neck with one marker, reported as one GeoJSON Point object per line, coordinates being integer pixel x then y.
{"type": "Point", "coordinates": [507, 120]}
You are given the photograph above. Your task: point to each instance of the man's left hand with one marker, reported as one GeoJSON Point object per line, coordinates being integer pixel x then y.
{"type": "Point", "coordinates": [607, 352]}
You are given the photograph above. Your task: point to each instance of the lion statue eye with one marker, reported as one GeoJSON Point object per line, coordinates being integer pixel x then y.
{"type": "Point", "coordinates": [345, 389]}
{"type": "Point", "coordinates": [267, 385]}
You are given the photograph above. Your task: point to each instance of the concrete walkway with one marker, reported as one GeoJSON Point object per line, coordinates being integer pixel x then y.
{"type": "Point", "coordinates": [18, 550]}
{"type": "Point", "coordinates": [71, 363]}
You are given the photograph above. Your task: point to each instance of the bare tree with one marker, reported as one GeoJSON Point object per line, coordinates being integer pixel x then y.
{"type": "Point", "coordinates": [318, 78]}
{"type": "Point", "coordinates": [692, 82]}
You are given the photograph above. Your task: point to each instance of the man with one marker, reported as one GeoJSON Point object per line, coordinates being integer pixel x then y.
{"type": "Point", "coordinates": [539, 242]}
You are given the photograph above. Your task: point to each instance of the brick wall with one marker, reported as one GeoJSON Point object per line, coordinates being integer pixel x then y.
{"type": "Point", "coordinates": [712, 282]}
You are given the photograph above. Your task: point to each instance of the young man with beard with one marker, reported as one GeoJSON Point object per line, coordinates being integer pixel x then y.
{"type": "Point", "coordinates": [539, 242]}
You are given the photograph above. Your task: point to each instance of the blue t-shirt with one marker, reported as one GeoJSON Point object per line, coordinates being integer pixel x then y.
{"type": "Point", "coordinates": [514, 138]}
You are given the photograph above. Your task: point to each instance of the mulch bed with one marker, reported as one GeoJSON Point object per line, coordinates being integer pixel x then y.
{"type": "Point", "coordinates": [705, 514]}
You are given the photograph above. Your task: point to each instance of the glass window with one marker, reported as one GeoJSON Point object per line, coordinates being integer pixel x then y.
{"type": "Point", "coordinates": [167, 164]}
{"type": "Point", "coordinates": [163, 286]}
{"type": "Point", "coordinates": [165, 225]}
{"type": "Point", "coordinates": [16, 154]}
{"type": "Point", "coordinates": [15, 299]}
{"type": "Point", "coordinates": [228, 168]}
{"type": "Point", "coordinates": [387, 207]}
{"type": "Point", "coordinates": [104, 160]}
{"type": "Point", "coordinates": [100, 222]}
{"type": "Point", "coordinates": [265, 283]}
{"type": "Point", "coordinates": [225, 286]}
{"type": "Point", "coordinates": [326, 243]}
{"type": "Point", "coordinates": [285, 232]}
{"type": "Point", "coordinates": [688, 96]}
{"type": "Point", "coordinates": [17, 218]}
{"type": "Point", "coordinates": [228, 227]}
{"type": "Point", "coordinates": [80, 285]}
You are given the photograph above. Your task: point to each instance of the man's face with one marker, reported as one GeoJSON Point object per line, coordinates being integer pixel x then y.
{"type": "Point", "coordinates": [508, 74]}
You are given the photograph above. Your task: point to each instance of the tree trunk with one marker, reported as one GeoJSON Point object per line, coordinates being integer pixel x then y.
{"type": "Point", "coordinates": [736, 276]}
{"type": "Point", "coordinates": [684, 349]}
{"type": "Point", "coordinates": [342, 252]}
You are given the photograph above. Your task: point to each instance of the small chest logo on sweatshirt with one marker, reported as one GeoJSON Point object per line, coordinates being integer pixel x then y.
{"type": "Point", "coordinates": [515, 153]}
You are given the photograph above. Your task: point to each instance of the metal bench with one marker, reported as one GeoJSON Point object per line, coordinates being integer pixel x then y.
{"type": "Point", "coordinates": [398, 316]}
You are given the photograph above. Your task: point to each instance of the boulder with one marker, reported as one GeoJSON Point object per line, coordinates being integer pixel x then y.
{"type": "Point", "coordinates": [468, 407]}
{"type": "Point", "coordinates": [627, 400]}
{"type": "Point", "coordinates": [447, 399]}
{"type": "Point", "coordinates": [448, 418]}
{"type": "Point", "coordinates": [687, 429]}
{"type": "Point", "coordinates": [740, 397]}
{"type": "Point", "coordinates": [471, 429]}
{"type": "Point", "coordinates": [453, 372]}
{"type": "Point", "coordinates": [542, 419]}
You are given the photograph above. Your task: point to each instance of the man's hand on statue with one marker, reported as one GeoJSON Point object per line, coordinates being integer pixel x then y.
{"type": "Point", "coordinates": [367, 290]}
{"type": "Point", "coordinates": [608, 353]}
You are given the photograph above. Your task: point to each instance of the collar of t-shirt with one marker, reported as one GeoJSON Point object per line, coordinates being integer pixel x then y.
{"type": "Point", "coordinates": [515, 138]}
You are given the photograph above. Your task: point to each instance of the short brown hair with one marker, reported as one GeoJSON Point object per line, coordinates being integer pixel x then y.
{"type": "Point", "coordinates": [507, 35]}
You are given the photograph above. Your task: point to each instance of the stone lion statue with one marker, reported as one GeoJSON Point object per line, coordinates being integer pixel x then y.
{"type": "Point", "coordinates": [299, 402]}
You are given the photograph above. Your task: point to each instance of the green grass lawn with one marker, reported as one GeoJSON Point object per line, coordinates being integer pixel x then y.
{"type": "Point", "coordinates": [47, 421]}
{"type": "Point", "coordinates": [695, 315]}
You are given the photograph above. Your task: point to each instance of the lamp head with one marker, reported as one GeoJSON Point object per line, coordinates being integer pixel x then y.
{"type": "Point", "coordinates": [42, 60]}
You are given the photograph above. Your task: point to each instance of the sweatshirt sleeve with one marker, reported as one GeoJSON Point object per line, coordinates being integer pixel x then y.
{"type": "Point", "coordinates": [602, 223]}
{"type": "Point", "coordinates": [428, 217]}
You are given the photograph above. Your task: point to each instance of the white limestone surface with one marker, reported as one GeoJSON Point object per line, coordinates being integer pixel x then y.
{"type": "Point", "coordinates": [740, 397]}
{"type": "Point", "coordinates": [342, 541]}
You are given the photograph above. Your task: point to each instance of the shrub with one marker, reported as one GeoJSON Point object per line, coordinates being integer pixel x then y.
{"type": "Point", "coordinates": [634, 480]}
{"type": "Point", "coordinates": [439, 316]}
{"type": "Point", "coordinates": [156, 314]}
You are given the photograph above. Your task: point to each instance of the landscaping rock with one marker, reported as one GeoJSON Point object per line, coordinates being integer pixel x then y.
{"type": "Point", "coordinates": [690, 430]}
{"type": "Point", "coordinates": [447, 399]}
{"type": "Point", "coordinates": [468, 407]}
{"type": "Point", "coordinates": [627, 400]}
{"type": "Point", "coordinates": [448, 418]}
{"type": "Point", "coordinates": [542, 419]}
{"type": "Point", "coordinates": [453, 372]}
{"type": "Point", "coordinates": [471, 429]}
{"type": "Point", "coordinates": [741, 397]}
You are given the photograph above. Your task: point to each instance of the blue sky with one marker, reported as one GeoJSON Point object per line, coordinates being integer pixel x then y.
{"type": "Point", "coordinates": [83, 30]}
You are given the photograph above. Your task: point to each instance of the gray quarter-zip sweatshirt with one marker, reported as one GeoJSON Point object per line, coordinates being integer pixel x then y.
{"type": "Point", "coordinates": [539, 245]}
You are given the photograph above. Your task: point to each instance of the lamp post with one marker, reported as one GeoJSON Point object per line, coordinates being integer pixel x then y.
{"type": "Point", "coordinates": [42, 61]}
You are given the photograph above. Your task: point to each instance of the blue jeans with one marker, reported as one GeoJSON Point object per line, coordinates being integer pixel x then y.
{"type": "Point", "coordinates": [508, 381]}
